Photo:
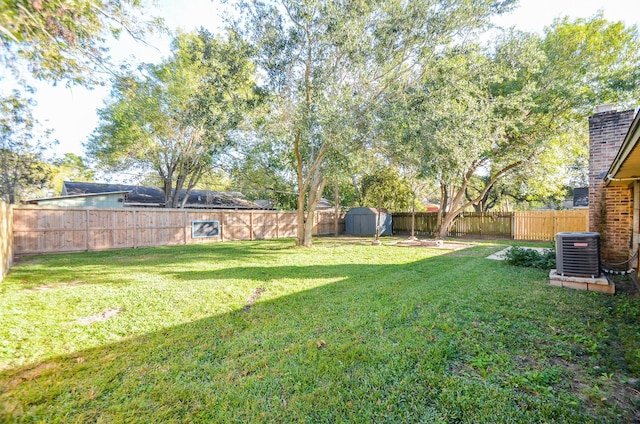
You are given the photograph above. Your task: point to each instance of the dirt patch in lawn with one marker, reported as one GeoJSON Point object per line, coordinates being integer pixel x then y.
{"type": "Point", "coordinates": [433, 244]}
{"type": "Point", "coordinates": [102, 316]}
{"type": "Point", "coordinates": [584, 386]}
{"type": "Point", "coordinates": [55, 285]}
{"type": "Point", "coordinates": [253, 298]}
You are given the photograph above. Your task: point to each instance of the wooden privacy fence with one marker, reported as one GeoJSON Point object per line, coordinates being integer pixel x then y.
{"type": "Point", "coordinates": [48, 230]}
{"type": "Point", "coordinates": [538, 225]}
{"type": "Point", "coordinates": [475, 224]}
{"type": "Point", "coordinates": [425, 222]}
{"type": "Point", "coordinates": [543, 225]}
{"type": "Point", "coordinates": [483, 225]}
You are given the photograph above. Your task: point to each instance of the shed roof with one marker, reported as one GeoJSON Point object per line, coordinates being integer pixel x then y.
{"type": "Point", "coordinates": [366, 211]}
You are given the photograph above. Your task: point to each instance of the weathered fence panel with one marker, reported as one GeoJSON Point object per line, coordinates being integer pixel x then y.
{"type": "Point", "coordinates": [483, 225]}
{"type": "Point", "coordinates": [325, 223]}
{"type": "Point", "coordinates": [543, 225]}
{"type": "Point", "coordinates": [54, 230]}
{"type": "Point", "coordinates": [487, 224]}
{"type": "Point", "coordinates": [536, 225]}
{"type": "Point", "coordinates": [237, 226]}
{"type": "Point", "coordinates": [425, 222]}
{"type": "Point", "coordinates": [287, 224]}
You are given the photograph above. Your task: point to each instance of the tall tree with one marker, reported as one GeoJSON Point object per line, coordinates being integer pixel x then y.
{"type": "Point", "coordinates": [261, 171]}
{"type": "Point", "coordinates": [70, 167]}
{"type": "Point", "coordinates": [67, 40]}
{"type": "Point", "coordinates": [328, 62]}
{"type": "Point", "coordinates": [23, 171]}
{"type": "Point", "coordinates": [385, 188]}
{"type": "Point", "coordinates": [483, 115]}
{"type": "Point", "coordinates": [176, 116]}
{"type": "Point", "coordinates": [56, 40]}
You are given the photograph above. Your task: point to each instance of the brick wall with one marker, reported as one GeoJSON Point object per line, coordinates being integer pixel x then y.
{"type": "Point", "coordinates": [610, 208]}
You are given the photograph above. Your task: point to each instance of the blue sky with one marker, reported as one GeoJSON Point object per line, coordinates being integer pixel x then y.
{"type": "Point", "coordinates": [71, 112]}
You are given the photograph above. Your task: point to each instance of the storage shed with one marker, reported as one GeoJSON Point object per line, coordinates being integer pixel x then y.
{"type": "Point", "coordinates": [362, 222]}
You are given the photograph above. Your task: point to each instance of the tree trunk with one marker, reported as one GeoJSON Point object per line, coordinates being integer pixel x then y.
{"type": "Point", "coordinates": [175, 201]}
{"type": "Point", "coordinates": [378, 223]}
{"type": "Point", "coordinates": [443, 205]}
{"type": "Point", "coordinates": [315, 193]}
{"type": "Point", "coordinates": [168, 197]}
{"type": "Point", "coordinates": [336, 217]}
{"type": "Point", "coordinates": [357, 189]}
{"type": "Point", "coordinates": [446, 223]}
{"type": "Point", "coordinates": [300, 219]}
{"type": "Point", "coordinates": [413, 218]}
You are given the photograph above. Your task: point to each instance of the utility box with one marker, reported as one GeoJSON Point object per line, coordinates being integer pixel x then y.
{"type": "Point", "coordinates": [362, 222]}
{"type": "Point", "coordinates": [578, 254]}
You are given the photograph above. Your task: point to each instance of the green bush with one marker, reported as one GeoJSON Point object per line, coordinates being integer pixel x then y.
{"type": "Point", "coordinates": [519, 256]}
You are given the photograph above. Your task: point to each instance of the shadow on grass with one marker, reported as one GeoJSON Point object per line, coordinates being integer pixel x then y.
{"type": "Point", "coordinates": [97, 267]}
{"type": "Point", "coordinates": [443, 339]}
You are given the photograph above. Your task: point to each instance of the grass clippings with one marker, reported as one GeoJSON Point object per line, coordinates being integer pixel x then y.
{"type": "Point", "coordinates": [343, 332]}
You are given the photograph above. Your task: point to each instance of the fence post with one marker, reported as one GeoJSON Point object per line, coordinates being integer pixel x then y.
{"type": "Point", "coordinates": [87, 229]}
{"type": "Point", "coordinates": [184, 226]}
{"type": "Point", "coordinates": [222, 226]}
{"type": "Point", "coordinates": [513, 226]}
{"type": "Point", "coordinates": [135, 229]}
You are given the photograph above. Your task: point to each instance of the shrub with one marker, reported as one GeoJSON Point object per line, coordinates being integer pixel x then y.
{"type": "Point", "coordinates": [530, 258]}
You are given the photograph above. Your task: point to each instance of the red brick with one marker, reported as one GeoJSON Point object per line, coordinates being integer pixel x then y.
{"type": "Point", "coordinates": [610, 208]}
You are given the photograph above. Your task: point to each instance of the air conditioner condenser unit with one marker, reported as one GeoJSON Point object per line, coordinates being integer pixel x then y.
{"type": "Point", "coordinates": [578, 254]}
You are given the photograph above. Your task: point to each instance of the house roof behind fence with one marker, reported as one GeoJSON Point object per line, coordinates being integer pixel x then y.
{"type": "Point", "coordinates": [152, 196]}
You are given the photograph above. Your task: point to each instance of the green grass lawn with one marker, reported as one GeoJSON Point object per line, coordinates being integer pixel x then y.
{"type": "Point", "coordinates": [342, 332]}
